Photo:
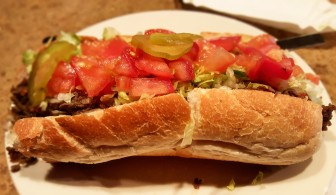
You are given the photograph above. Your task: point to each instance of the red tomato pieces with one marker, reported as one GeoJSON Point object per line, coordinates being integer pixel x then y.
{"type": "Point", "coordinates": [158, 30]}
{"type": "Point", "coordinates": [103, 48]}
{"type": "Point", "coordinates": [123, 83]}
{"type": "Point", "coordinates": [259, 67]}
{"type": "Point", "coordinates": [214, 58]}
{"type": "Point", "coordinates": [115, 64]}
{"type": "Point", "coordinates": [313, 78]}
{"type": "Point", "coordinates": [263, 43]}
{"type": "Point", "coordinates": [63, 79]}
{"type": "Point", "coordinates": [297, 71]}
{"type": "Point", "coordinates": [228, 43]}
{"type": "Point", "coordinates": [192, 55]}
{"type": "Point", "coordinates": [153, 65]}
{"type": "Point", "coordinates": [150, 86]}
{"type": "Point", "coordinates": [183, 70]}
{"type": "Point", "coordinates": [92, 75]}
{"type": "Point", "coordinates": [124, 64]}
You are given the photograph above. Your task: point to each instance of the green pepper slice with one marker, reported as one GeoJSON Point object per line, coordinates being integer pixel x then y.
{"type": "Point", "coordinates": [168, 46]}
{"type": "Point", "coordinates": [44, 66]}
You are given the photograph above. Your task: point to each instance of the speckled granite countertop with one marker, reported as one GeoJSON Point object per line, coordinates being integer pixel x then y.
{"type": "Point", "coordinates": [24, 23]}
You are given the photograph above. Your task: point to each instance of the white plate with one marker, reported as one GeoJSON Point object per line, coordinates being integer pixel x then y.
{"type": "Point", "coordinates": [162, 175]}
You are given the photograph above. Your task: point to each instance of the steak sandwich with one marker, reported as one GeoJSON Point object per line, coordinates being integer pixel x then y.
{"type": "Point", "coordinates": [160, 93]}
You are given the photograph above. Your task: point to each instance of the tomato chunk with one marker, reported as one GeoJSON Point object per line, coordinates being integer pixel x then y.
{"type": "Point", "coordinates": [228, 43]}
{"type": "Point", "coordinates": [192, 55]}
{"type": "Point", "coordinates": [123, 83]}
{"type": "Point", "coordinates": [313, 78]}
{"type": "Point", "coordinates": [158, 30]}
{"type": "Point", "coordinates": [124, 64]}
{"type": "Point", "coordinates": [92, 75]}
{"type": "Point", "coordinates": [150, 86]}
{"type": "Point", "coordinates": [263, 43]}
{"type": "Point", "coordinates": [182, 69]}
{"type": "Point", "coordinates": [108, 89]}
{"type": "Point", "coordinates": [63, 79]}
{"type": "Point", "coordinates": [153, 65]}
{"type": "Point", "coordinates": [272, 72]}
{"type": "Point", "coordinates": [103, 48]}
{"type": "Point", "coordinates": [297, 70]}
{"type": "Point", "coordinates": [261, 68]}
{"type": "Point", "coordinates": [214, 58]}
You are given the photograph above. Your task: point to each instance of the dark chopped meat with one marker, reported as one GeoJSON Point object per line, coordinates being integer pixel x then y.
{"type": "Point", "coordinates": [327, 115]}
{"type": "Point", "coordinates": [15, 168]}
{"type": "Point", "coordinates": [296, 92]}
{"type": "Point", "coordinates": [197, 183]}
{"type": "Point", "coordinates": [19, 159]}
{"type": "Point", "coordinates": [79, 103]}
{"type": "Point", "coordinates": [48, 39]}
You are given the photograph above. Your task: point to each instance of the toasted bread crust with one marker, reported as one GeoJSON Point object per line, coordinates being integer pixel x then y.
{"type": "Point", "coordinates": [103, 135]}
{"type": "Point", "coordinates": [237, 125]}
{"type": "Point", "coordinates": [255, 126]}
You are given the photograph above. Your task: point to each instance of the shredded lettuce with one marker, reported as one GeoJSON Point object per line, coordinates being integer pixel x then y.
{"type": "Point", "coordinates": [28, 58]}
{"type": "Point", "coordinates": [69, 37]}
{"type": "Point", "coordinates": [188, 133]}
{"type": "Point", "coordinates": [234, 78]}
{"type": "Point", "coordinates": [258, 179]}
{"type": "Point", "coordinates": [66, 97]}
{"type": "Point", "coordinates": [183, 87]}
{"type": "Point", "coordinates": [109, 33]}
{"type": "Point", "coordinates": [259, 86]}
{"type": "Point", "coordinates": [44, 105]}
{"type": "Point", "coordinates": [232, 185]}
{"type": "Point", "coordinates": [145, 96]}
{"type": "Point", "coordinates": [301, 83]}
{"type": "Point", "coordinates": [205, 79]}
{"type": "Point", "coordinates": [122, 98]}
{"type": "Point", "coordinates": [241, 74]}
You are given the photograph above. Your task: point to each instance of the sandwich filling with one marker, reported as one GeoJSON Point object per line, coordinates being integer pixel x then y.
{"type": "Point", "coordinates": [71, 74]}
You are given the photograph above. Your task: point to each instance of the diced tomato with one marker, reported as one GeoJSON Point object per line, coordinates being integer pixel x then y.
{"type": "Point", "coordinates": [263, 43]}
{"type": "Point", "coordinates": [158, 30]}
{"type": "Point", "coordinates": [103, 48]}
{"type": "Point", "coordinates": [123, 83]}
{"type": "Point", "coordinates": [122, 64]}
{"type": "Point", "coordinates": [108, 63]}
{"type": "Point", "coordinates": [313, 78]}
{"type": "Point", "coordinates": [276, 54]}
{"type": "Point", "coordinates": [287, 64]}
{"type": "Point", "coordinates": [182, 69]}
{"type": "Point", "coordinates": [153, 65]}
{"type": "Point", "coordinates": [214, 58]}
{"type": "Point", "coordinates": [261, 68]}
{"type": "Point", "coordinates": [150, 86]}
{"type": "Point", "coordinates": [192, 55]}
{"type": "Point", "coordinates": [272, 72]}
{"type": "Point", "coordinates": [116, 46]}
{"type": "Point", "coordinates": [62, 80]}
{"type": "Point", "coordinates": [92, 75]}
{"type": "Point", "coordinates": [297, 70]}
{"type": "Point", "coordinates": [108, 89]}
{"type": "Point", "coordinates": [228, 43]}
{"type": "Point", "coordinates": [250, 63]}
{"type": "Point", "coordinates": [93, 47]}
